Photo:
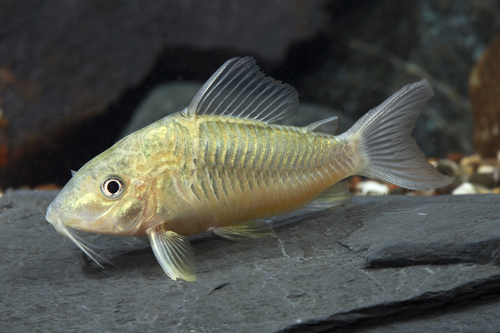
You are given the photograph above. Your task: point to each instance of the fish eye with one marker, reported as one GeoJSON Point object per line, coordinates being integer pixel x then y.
{"type": "Point", "coordinates": [112, 187]}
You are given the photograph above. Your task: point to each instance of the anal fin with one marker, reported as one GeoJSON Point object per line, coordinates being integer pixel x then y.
{"type": "Point", "coordinates": [243, 231]}
{"type": "Point", "coordinates": [335, 195]}
{"type": "Point", "coordinates": [174, 253]}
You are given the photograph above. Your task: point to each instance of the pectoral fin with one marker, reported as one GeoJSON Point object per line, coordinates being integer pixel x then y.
{"type": "Point", "coordinates": [174, 253]}
{"type": "Point", "coordinates": [244, 231]}
{"type": "Point", "coordinates": [336, 195]}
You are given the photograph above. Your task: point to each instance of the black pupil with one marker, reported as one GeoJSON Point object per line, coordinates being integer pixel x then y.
{"type": "Point", "coordinates": [113, 186]}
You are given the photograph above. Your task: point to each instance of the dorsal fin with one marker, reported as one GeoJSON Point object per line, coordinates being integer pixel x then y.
{"type": "Point", "coordinates": [240, 89]}
{"type": "Point", "coordinates": [329, 126]}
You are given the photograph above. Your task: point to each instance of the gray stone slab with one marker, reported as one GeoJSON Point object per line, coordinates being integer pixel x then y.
{"type": "Point", "coordinates": [300, 279]}
{"type": "Point", "coordinates": [477, 316]}
{"type": "Point", "coordinates": [429, 231]}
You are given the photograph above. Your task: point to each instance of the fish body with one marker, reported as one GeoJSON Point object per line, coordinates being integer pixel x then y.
{"type": "Point", "coordinates": [222, 162]}
{"type": "Point", "coordinates": [222, 165]}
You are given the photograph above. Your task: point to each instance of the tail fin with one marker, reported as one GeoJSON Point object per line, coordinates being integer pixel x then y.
{"type": "Point", "coordinates": [384, 142]}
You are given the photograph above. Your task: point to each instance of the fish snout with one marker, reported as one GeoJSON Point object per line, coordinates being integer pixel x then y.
{"type": "Point", "coordinates": [51, 215]}
{"type": "Point", "coordinates": [60, 218]}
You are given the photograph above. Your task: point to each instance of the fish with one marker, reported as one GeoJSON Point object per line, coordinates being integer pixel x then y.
{"type": "Point", "coordinates": [223, 165]}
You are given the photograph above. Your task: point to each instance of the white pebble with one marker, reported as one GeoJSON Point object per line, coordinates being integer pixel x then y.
{"type": "Point", "coordinates": [486, 169]}
{"type": "Point", "coordinates": [371, 187]}
{"type": "Point", "coordinates": [465, 188]}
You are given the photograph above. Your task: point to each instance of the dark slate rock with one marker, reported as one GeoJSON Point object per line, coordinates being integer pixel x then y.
{"type": "Point", "coordinates": [439, 233]}
{"type": "Point", "coordinates": [482, 315]}
{"type": "Point", "coordinates": [300, 279]}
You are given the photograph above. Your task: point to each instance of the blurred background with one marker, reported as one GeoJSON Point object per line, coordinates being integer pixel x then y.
{"type": "Point", "coordinates": [77, 75]}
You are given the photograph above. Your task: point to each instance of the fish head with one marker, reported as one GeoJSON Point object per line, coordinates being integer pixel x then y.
{"type": "Point", "coordinates": [105, 196]}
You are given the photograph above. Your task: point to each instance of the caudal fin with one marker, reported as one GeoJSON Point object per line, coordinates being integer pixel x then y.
{"type": "Point", "coordinates": [384, 142]}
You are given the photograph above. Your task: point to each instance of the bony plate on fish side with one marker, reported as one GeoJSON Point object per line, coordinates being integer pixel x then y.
{"type": "Point", "coordinates": [223, 165]}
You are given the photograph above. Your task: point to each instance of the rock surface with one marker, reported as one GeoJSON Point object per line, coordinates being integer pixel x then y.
{"type": "Point", "coordinates": [402, 264]}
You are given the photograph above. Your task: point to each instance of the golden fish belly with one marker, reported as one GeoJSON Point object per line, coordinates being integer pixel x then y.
{"type": "Point", "coordinates": [239, 170]}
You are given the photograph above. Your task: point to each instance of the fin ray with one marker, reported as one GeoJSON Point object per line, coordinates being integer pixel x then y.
{"type": "Point", "coordinates": [239, 89]}
{"type": "Point", "coordinates": [335, 195]}
{"type": "Point", "coordinates": [243, 231]}
{"type": "Point", "coordinates": [384, 141]}
{"type": "Point", "coordinates": [174, 253]}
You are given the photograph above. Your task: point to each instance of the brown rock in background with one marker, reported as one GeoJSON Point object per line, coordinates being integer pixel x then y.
{"type": "Point", "coordinates": [484, 90]}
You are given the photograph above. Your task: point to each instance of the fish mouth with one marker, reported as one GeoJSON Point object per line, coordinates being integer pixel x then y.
{"type": "Point", "coordinates": [61, 228]}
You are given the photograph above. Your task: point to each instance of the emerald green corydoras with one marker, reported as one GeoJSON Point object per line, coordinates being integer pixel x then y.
{"type": "Point", "coordinates": [222, 165]}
